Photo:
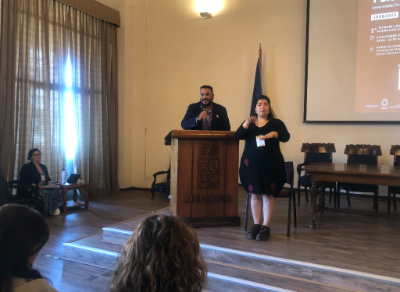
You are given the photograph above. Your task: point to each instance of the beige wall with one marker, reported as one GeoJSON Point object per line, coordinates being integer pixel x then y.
{"type": "Point", "coordinates": [166, 52]}
{"type": "Point", "coordinates": [132, 50]}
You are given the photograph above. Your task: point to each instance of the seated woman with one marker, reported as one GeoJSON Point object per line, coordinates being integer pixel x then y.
{"type": "Point", "coordinates": [23, 233]}
{"type": "Point", "coordinates": [163, 254]}
{"type": "Point", "coordinates": [35, 173]}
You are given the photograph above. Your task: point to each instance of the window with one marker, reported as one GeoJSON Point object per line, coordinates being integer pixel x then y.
{"type": "Point", "coordinates": [70, 133]}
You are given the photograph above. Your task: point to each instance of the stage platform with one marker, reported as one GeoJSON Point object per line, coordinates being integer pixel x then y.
{"type": "Point", "coordinates": [346, 252]}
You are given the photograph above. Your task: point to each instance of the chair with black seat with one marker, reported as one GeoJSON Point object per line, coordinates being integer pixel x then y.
{"type": "Point", "coordinates": [161, 187]}
{"type": "Point", "coordinates": [315, 152]}
{"type": "Point", "coordinates": [360, 154]}
{"type": "Point", "coordinates": [22, 198]}
{"type": "Point", "coordinates": [287, 193]}
{"type": "Point", "coordinates": [395, 151]}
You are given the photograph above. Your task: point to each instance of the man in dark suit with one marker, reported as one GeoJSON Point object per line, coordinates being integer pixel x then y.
{"type": "Point", "coordinates": [206, 115]}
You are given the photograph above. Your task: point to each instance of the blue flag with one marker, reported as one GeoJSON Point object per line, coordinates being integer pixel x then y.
{"type": "Point", "coordinates": [257, 88]}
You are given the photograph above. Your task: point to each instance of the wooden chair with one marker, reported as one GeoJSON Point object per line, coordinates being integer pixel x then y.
{"type": "Point", "coordinates": [395, 151]}
{"type": "Point", "coordinates": [161, 187]}
{"type": "Point", "coordinates": [287, 193]}
{"type": "Point", "coordinates": [315, 152]}
{"type": "Point", "coordinates": [361, 154]}
{"type": "Point", "coordinates": [7, 197]}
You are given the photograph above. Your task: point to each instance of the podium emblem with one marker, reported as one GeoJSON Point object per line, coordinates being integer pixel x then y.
{"type": "Point", "coordinates": [208, 173]}
{"type": "Point", "coordinates": [208, 150]}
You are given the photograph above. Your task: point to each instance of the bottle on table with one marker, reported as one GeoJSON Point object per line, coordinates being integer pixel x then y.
{"type": "Point", "coordinates": [63, 175]}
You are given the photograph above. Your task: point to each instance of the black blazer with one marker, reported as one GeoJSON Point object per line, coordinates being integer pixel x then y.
{"type": "Point", "coordinates": [30, 175]}
{"type": "Point", "coordinates": [219, 122]}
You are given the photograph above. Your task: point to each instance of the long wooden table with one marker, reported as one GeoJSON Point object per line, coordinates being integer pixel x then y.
{"type": "Point", "coordinates": [348, 173]}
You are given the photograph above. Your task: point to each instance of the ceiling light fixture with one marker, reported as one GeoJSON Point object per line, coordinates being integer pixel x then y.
{"type": "Point", "coordinates": [206, 14]}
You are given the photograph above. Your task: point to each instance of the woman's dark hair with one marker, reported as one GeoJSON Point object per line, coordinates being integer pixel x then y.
{"type": "Point", "coordinates": [162, 255]}
{"type": "Point", "coordinates": [23, 232]}
{"type": "Point", "coordinates": [30, 153]}
{"type": "Point", "coordinates": [271, 114]}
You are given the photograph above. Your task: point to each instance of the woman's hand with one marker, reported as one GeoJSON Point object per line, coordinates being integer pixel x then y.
{"type": "Point", "coordinates": [248, 121]}
{"type": "Point", "coordinates": [41, 187]}
{"type": "Point", "coordinates": [273, 134]}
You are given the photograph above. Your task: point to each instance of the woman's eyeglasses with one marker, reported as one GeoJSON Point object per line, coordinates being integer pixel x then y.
{"type": "Point", "coordinates": [36, 154]}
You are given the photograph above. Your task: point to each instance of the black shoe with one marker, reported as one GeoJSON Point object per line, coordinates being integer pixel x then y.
{"type": "Point", "coordinates": [254, 231]}
{"type": "Point", "coordinates": [264, 233]}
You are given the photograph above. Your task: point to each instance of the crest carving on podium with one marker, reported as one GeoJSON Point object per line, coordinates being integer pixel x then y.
{"type": "Point", "coordinates": [208, 166]}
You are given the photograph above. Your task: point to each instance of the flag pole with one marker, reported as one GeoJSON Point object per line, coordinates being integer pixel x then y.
{"type": "Point", "coordinates": [259, 60]}
{"type": "Point", "coordinates": [257, 89]}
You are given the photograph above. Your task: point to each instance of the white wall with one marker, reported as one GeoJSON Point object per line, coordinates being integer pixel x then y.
{"type": "Point", "coordinates": [166, 52]}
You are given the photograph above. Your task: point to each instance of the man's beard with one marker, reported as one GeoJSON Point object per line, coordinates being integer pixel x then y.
{"type": "Point", "coordinates": [206, 105]}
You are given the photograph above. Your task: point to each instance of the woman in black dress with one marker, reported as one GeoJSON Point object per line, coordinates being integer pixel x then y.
{"type": "Point", "coordinates": [262, 168]}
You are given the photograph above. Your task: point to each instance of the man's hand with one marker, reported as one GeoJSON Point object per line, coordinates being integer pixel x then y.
{"type": "Point", "coordinates": [202, 115]}
{"type": "Point", "coordinates": [270, 135]}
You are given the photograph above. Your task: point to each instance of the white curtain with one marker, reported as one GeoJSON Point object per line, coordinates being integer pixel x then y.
{"type": "Point", "coordinates": [37, 37]}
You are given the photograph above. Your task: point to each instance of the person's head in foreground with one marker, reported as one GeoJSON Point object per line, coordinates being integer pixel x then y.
{"type": "Point", "coordinates": [23, 233]}
{"type": "Point", "coordinates": [163, 254]}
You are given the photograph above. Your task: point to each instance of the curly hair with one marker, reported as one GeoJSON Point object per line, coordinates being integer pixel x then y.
{"type": "Point", "coordinates": [163, 254]}
{"type": "Point", "coordinates": [23, 232]}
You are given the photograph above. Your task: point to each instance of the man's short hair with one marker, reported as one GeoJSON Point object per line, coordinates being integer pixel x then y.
{"type": "Point", "coordinates": [207, 87]}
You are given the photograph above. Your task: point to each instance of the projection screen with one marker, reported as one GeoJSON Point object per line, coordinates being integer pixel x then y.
{"type": "Point", "coordinates": [352, 61]}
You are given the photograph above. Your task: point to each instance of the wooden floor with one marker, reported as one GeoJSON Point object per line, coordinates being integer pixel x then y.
{"type": "Point", "coordinates": [349, 241]}
{"type": "Point", "coordinates": [76, 223]}
{"type": "Point", "coordinates": [355, 242]}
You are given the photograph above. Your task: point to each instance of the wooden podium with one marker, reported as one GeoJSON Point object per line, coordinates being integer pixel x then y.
{"type": "Point", "coordinates": [204, 177]}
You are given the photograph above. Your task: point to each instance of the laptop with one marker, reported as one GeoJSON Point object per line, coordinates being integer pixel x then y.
{"type": "Point", "coordinates": [73, 178]}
